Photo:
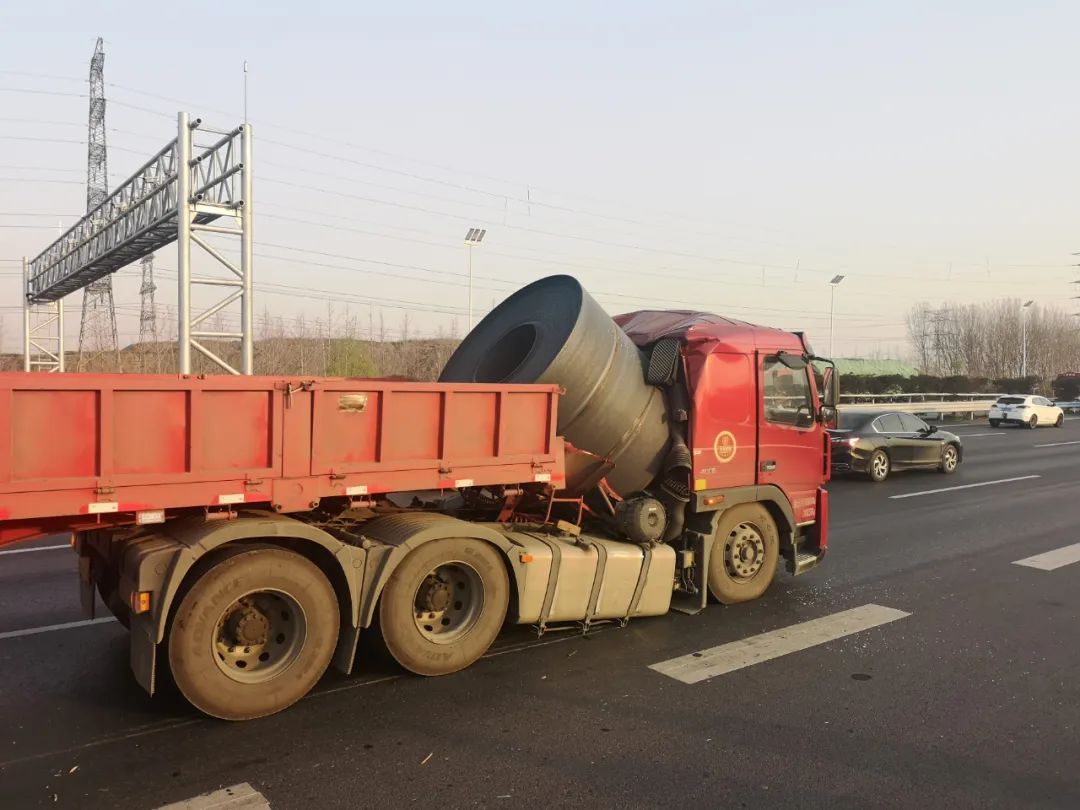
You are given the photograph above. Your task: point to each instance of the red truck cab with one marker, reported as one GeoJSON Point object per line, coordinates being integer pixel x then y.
{"type": "Point", "coordinates": [757, 428]}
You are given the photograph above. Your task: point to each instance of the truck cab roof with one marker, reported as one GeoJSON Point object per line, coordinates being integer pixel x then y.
{"type": "Point", "coordinates": [647, 326]}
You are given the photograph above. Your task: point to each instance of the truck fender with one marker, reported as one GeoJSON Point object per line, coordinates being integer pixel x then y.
{"type": "Point", "coordinates": [164, 564]}
{"type": "Point", "coordinates": [772, 497]}
{"type": "Point", "coordinates": [395, 536]}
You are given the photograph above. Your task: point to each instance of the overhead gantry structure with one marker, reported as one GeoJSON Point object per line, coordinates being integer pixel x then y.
{"type": "Point", "coordinates": [184, 194]}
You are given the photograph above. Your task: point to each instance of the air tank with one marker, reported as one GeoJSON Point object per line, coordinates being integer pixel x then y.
{"type": "Point", "coordinates": [553, 331]}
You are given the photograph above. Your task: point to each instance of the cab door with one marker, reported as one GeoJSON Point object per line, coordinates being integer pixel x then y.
{"type": "Point", "coordinates": [790, 444]}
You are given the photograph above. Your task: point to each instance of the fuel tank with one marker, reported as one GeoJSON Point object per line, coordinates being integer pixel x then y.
{"type": "Point", "coordinates": [553, 331]}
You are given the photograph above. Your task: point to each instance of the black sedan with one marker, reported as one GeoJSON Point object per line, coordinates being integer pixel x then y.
{"type": "Point", "coordinates": [876, 444]}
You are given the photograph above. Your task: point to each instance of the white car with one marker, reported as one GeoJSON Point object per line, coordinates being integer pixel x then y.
{"type": "Point", "coordinates": [1026, 410]}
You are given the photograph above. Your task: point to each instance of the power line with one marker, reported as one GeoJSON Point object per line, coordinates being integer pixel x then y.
{"type": "Point", "coordinates": [472, 189]}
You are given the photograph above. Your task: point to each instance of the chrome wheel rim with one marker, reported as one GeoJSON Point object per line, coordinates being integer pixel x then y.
{"type": "Point", "coordinates": [950, 459]}
{"type": "Point", "coordinates": [448, 602]}
{"type": "Point", "coordinates": [744, 552]}
{"type": "Point", "coordinates": [259, 636]}
{"type": "Point", "coordinates": [880, 465]}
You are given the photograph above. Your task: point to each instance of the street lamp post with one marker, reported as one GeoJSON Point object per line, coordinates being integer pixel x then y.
{"type": "Point", "coordinates": [1023, 350]}
{"type": "Point", "coordinates": [832, 303]}
{"type": "Point", "coordinates": [473, 238]}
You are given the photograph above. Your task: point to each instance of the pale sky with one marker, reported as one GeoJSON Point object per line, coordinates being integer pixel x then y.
{"type": "Point", "coordinates": [723, 156]}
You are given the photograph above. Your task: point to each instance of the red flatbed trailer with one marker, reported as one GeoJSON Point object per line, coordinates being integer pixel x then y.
{"type": "Point", "coordinates": [89, 451]}
{"type": "Point", "coordinates": [248, 530]}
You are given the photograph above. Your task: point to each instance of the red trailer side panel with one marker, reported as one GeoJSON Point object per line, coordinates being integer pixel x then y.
{"type": "Point", "coordinates": [78, 449]}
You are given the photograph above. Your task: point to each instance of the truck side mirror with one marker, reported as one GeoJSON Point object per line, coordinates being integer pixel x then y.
{"type": "Point", "coordinates": [830, 396]}
{"type": "Point", "coordinates": [830, 387]}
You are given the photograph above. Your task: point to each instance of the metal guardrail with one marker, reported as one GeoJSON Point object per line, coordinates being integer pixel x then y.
{"type": "Point", "coordinates": [940, 408]}
{"type": "Point", "coordinates": [920, 397]}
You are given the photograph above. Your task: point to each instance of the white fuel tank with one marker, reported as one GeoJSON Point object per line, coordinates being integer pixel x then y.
{"type": "Point", "coordinates": [574, 579]}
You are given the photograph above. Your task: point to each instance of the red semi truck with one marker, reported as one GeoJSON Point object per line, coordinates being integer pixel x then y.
{"type": "Point", "coordinates": [567, 468]}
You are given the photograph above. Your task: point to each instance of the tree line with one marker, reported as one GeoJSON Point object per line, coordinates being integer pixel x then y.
{"type": "Point", "coordinates": [986, 340]}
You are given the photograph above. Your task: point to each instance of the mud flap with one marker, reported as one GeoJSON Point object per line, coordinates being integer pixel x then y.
{"type": "Point", "coordinates": [143, 652]}
{"type": "Point", "coordinates": [86, 586]}
{"type": "Point", "coordinates": [345, 654]}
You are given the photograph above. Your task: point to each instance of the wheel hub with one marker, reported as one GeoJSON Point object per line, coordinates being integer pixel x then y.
{"type": "Point", "coordinates": [448, 602]}
{"type": "Point", "coordinates": [259, 636]}
{"type": "Point", "coordinates": [434, 594]}
{"type": "Point", "coordinates": [248, 626]}
{"type": "Point", "coordinates": [744, 551]}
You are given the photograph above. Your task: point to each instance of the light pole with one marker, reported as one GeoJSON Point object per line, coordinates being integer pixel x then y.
{"type": "Point", "coordinates": [1023, 351]}
{"type": "Point", "coordinates": [832, 304]}
{"type": "Point", "coordinates": [473, 238]}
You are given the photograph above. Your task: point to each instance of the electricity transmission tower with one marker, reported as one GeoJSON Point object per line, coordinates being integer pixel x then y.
{"type": "Point", "coordinates": [97, 329]}
{"type": "Point", "coordinates": [148, 312]}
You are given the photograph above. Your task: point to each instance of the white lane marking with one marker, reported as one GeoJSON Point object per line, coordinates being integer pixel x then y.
{"type": "Point", "coordinates": [1049, 560]}
{"type": "Point", "coordinates": [963, 486]}
{"type": "Point", "coordinates": [39, 548]}
{"type": "Point", "coordinates": [1056, 444]}
{"type": "Point", "coordinates": [33, 631]}
{"type": "Point", "coordinates": [705, 664]}
{"type": "Point", "coordinates": [974, 435]}
{"type": "Point", "coordinates": [230, 798]}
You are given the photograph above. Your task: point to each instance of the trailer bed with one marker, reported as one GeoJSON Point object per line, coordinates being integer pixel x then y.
{"type": "Point", "coordinates": [84, 450]}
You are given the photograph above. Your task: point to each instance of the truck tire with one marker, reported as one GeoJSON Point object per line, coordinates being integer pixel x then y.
{"type": "Point", "coordinates": [745, 553]}
{"type": "Point", "coordinates": [444, 605]}
{"type": "Point", "coordinates": [254, 634]}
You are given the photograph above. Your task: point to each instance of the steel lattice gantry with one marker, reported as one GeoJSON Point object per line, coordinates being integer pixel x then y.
{"type": "Point", "coordinates": [179, 195]}
{"type": "Point", "coordinates": [43, 332]}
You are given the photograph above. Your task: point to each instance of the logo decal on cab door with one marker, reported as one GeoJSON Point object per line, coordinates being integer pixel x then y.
{"type": "Point", "coordinates": [724, 446]}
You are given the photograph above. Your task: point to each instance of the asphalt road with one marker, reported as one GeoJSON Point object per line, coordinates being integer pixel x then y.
{"type": "Point", "coordinates": [966, 697]}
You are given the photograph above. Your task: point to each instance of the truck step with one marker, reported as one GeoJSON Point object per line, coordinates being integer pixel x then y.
{"type": "Point", "coordinates": [803, 562]}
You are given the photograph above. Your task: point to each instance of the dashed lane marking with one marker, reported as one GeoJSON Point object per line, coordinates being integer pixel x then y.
{"type": "Point", "coordinates": [709, 663]}
{"type": "Point", "coordinates": [1056, 444]}
{"type": "Point", "coordinates": [49, 628]}
{"type": "Point", "coordinates": [1049, 560]}
{"type": "Point", "coordinates": [231, 798]}
{"type": "Point", "coordinates": [963, 486]}
{"type": "Point", "coordinates": [30, 550]}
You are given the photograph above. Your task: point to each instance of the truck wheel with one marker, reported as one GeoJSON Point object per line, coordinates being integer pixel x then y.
{"type": "Point", "coordinates": [444, 605]}
{"type": "Point", "coordinates": [879, 466]}
{"type": "Point", "coordinates": [253, 634]}
{"type": "Point", "coordinates": [745, 552]}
